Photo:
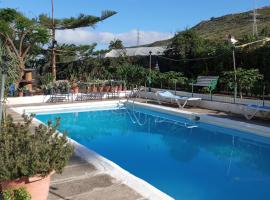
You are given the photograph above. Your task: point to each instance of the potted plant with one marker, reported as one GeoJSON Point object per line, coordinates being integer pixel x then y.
{"type": "Point", "coordinates": [29, 158]}
{"type": "Point", "coordinates": [62, 86]}
{"type": "Point", "coordinates": [75, 87]}
{"type": "Point", "coordinates": [15, 194]}
{"type": "Point", "coordinates": [22, 90]}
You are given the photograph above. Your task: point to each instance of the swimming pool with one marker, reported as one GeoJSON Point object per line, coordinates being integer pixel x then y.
{"type": "Point", "coordinates": [184, 158]}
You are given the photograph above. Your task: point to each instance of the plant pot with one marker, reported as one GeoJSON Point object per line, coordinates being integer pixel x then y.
{"type": "Point", "coordinates": [76, 90]}
{"type": "Point", "coordinates": [38, 187]}
{"type": "Point", "coordinates": [94, 89]}
{"type": "Point", "coordinates": [20, 94]}
{"type": "Point", "coordinates": [120, 88]}
{"type": "Point", "coordinates": [100, 89]}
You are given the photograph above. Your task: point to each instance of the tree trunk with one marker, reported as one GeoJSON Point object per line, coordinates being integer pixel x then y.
{"type": "Point", "coordinates": [240, 93]}
{"type": "Point", "coordinates": [21, 67]}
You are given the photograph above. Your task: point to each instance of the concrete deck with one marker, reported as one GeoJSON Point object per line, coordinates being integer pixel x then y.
{"type": "Point", "coordinates": [82, 181]}
{"type": "Point", "coordinates": [219, 114]}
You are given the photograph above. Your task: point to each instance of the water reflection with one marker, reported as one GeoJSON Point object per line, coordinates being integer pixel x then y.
{"type": "Point", "coordinates": [186, 144]}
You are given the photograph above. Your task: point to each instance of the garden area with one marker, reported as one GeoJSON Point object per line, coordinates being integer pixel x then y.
{"type": "Point", "coordinates": [31, 69]}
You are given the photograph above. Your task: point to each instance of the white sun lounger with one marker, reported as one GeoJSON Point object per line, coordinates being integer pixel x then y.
{"type": "Point", "coordinates": [169, 96]}
{"type": "Point", "coordinates": [251, 110]}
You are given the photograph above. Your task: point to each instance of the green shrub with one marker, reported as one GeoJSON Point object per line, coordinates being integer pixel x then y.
{"type": "Point", "coordinates": [26, 154]}
{"type": "Point", "coordinates": [16, 194]}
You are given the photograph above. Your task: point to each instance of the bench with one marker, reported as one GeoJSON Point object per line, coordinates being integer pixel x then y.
{"type": "Point", "coordinates": [206, 81]}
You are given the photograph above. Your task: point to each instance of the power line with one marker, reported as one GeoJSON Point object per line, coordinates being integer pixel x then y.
{"type": "Point", "coordinates": [191, 59]}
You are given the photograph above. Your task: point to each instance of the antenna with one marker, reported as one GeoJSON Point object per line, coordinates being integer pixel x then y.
{"type": "Point", "coordinates": [254, 15]}
{"type": "Point", "coordinates": [138, 37]}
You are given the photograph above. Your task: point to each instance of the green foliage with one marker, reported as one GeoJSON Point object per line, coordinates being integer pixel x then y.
{"type": "Point", "coordinates": [62, 86]}
{"type": "Point", "coordinates": [116, 44]}
{"type": "Point", "coordinates": [132, 74]}
{"type": "Point", "coordinates": [26, 154]}
{"type": "Point", "coordinates": [75, 22]}
{"type": "Point", "coordinates": [185, 44]}
{"type": "Point", "coordinates": [246, 79]}
{"type": "Point", "coordinates": [20, 35]}
{"type": "Point", "coordinates": [16, 194]}
{"type": "Point", "coordinates": [22, 89]}
{"type": "Point", "coordinates": [13, 24]}
{"type": "Point", "coordinates": [11, 65]}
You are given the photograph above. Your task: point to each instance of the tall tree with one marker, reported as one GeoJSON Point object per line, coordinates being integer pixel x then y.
{"type": "Point", "coordinates": [185, 44]}
{"type": "Point", "coordinates": [116, 44]}
{"type": "Point", "coordinates": [70, 23]}
{"type": "Point", "coordinates": [20, 35]}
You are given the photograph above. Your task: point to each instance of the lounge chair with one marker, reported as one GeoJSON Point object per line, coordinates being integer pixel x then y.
{"type": "Point", "coordinates": [251, 110]}
{"type": "Point", "coordinates": [169, 96]}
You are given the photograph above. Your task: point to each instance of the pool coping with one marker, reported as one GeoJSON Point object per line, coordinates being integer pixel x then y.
{"type": "Point", "coordinates": [103, 164]}
{"type": "Point", "coordinates": [206, 118]}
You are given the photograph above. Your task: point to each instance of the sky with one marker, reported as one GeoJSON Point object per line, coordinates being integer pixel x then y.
{"type": "Point", "coordinates": [155, 19]}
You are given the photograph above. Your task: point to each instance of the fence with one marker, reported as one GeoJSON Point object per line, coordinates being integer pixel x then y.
{"type": "Point", "coordinates": [220, 98]}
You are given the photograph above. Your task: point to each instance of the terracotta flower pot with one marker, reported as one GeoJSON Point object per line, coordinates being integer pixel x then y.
{"type": "Point", "coordinates": [100, 89]}
{"type": "Point", "coordinates": [76, 90]}
{"type": "Point", "coordinates": [94, 89]}
{"type": "Point", "coordinates": [107, 88]}
{"type": "Point", "coordinates": [120, 88]}
{"type": "Point", "coordinates": [37, 186]}
{"type": "Point", "coordinates": [20, 94]}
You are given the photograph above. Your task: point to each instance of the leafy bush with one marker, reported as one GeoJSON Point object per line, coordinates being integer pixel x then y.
{"type": "Point", "coordinates": [15, 194]}
{"type": "Point", "coordinates": [62, 86]}
{"type": "Point", "coordinates": [246, 79]}
{"type": "Point", "coordinates": [27, 154]}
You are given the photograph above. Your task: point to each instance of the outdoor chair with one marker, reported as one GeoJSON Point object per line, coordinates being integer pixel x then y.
{"type": "Point", "coordinates": [166, 95]}
{"type": "Point", "coordinates": [249, 111]}
{"type": "Point", "coordinates": [86, 94]}
{"type": "Point", "coordinates": [59, 96]}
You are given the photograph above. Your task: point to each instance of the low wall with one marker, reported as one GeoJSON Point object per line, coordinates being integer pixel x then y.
{"type": "Point", "coordinates": [37, 99]}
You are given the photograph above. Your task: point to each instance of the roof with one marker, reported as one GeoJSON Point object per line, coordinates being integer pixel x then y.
{"type": "Point", "coordinates": [137, 51]}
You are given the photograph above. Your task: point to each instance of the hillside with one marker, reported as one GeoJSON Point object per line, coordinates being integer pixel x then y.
{"type": "Point", "coordinates": [218, 28]}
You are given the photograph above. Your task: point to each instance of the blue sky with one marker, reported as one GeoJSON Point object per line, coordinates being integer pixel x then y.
{"type": "Point", "coordinates": [156, 19]}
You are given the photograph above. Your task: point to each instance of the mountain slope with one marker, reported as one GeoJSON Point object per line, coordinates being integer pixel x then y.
{"type": "Point", "coordinates": [238, 25]}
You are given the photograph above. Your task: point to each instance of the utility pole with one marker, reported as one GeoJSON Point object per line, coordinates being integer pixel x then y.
{"type": "Point", "coordinates": [235, 76]}
{"type": "Point", "coordinates": [150, 70]}
{"type": "Point", "coordinates": [138, 37]}
{"type": "Point", "coordinates": [254, 15]}
{"type": "Point", "coordinates": [53, 44]}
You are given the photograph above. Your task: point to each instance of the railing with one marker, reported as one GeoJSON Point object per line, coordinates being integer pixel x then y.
{"type": "Point", "coordinates": [219, 98]}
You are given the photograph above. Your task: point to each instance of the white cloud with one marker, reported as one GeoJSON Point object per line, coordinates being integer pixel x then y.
{"type": "Point", "coordinates": [83, 36]}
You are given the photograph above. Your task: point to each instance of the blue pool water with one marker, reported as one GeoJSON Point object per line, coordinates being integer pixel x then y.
{"type": "Point", "coordinates": [202, 163]}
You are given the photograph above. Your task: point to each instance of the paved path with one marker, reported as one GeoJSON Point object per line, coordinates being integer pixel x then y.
{"type": "Point", "coordinates": [82, 181]}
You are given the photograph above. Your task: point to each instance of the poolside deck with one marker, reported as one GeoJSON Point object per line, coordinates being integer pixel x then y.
{"type": "Point", "coordinates": [82, 181]}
